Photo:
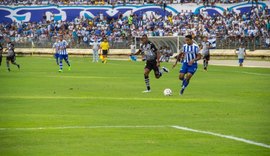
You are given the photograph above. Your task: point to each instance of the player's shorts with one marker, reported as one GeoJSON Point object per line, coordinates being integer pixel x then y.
{"type": "Point", "coordinates": [206, 57]}
{"type": "Point", "coordinates": [241, 61]}
{"type": "Point", "coordinates": [152, 65]}
{"type": "Point", "coordinates": [189, 69]}
{"type": "Point", "coordinates": [56, 55]}
{"type": "Point", "coordinates": [11, 58]}
{"type": "Point", "coordinates": [61, 57]}
{"type": "Point", "coordinates": [104, 52]}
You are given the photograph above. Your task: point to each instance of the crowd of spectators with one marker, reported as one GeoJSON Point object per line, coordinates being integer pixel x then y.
{"type": "Point", "coordinates": [230, 28]}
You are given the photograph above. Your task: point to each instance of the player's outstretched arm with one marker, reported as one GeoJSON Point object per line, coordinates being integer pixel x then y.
{"type": "Point", "coordinates": [137, 53]}
{"type": "Point", "coordinates": [158, 58]}
{"type": "Point", "coordinates": [177, 59]}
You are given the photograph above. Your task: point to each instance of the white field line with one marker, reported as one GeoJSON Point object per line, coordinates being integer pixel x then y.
{"type": "Point", "coordinates": [236, 65]}
{"type": "Point", "coordinates": [252, 73]}
{"type": "Point", "coordinates": [244, 72]}
{"type": "Point", "coordinates": [101, 98]}
{"type": "Point", "coordinates": [223, 136]}
{"type": "Point", "coordinates": [140, 126]}
{"type": "Point", "coordinates": [82, 127]}
{"type": "Point", "coordinates": [84, 77]}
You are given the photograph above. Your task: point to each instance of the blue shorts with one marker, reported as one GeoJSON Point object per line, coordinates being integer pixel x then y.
{"type": "Point", "coordinates": [241, 60]}
{"type": "Point", "coordinates": [56, 55]}
{"type": "Point", "coordinates": [61, 57]}
{"type": "Point", "coordinates": [189, 69]}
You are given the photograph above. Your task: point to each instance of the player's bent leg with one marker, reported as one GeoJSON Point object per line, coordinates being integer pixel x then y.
{"type": "Point", "coordinates": [68, 63]}
{"type": "Point", "coordinates": [8, 67]}
{"type": "Point", "coordinates": [14, 63]}
{"type": "Point", "coordinates": [1, 60]}
{"type": "Point", "coordinates": [185, 83]}
{"type": "Point", "coordinates": [159, 72]}
{"type": "Point", "coordinates": [60, 64]}
{"type": "Point", "coordinates": [66, 60]}
{"type": "Point", "coordinates": [105, 59]}
{"type": "Point", "coordinates": [181, 76]}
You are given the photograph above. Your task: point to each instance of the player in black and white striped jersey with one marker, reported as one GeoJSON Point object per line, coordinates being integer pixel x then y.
{"type": "Point", "coordinates": [152, 57]}
{"type": "Point", "coordinates": [205, 51]}
{"type": "Point", "coordinates": [11, 56]}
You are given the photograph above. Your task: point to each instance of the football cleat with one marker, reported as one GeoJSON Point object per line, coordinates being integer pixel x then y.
{"type": "Point", "coordinates": [147, 91]}
{"type": "Point", "coordinates": [182, 91]}
{"type": "Point", "coordinates": [165, 69]}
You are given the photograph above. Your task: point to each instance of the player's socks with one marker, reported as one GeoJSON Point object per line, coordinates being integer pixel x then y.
{"type": "Point", "coordinates": [205, 64]}
{"type": "Point", "coordinates": [8, 66]}
{"type": "Point", "coordinates": [147, 82]}
{"type": "Point", "coordinates": [103, 59]}
{"type": "Point", "coordinates": [185, 83]}
{"type": "Point", "coordinates": [67, 61]}
{"type": "Point", "coordinates": [61, 66]}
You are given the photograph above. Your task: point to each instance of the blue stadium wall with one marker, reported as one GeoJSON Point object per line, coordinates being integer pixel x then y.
{"type": "Point", "coordinates": [69, 13]}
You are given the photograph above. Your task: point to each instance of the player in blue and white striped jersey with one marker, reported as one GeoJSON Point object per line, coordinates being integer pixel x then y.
{"type": "Point", "coordinates": [189, 55]}
{"type": "Point", "coordinates": [63, 54]}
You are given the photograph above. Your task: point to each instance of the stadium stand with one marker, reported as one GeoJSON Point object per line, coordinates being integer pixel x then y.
{"type": "Point", "coordinates": [226, 31]}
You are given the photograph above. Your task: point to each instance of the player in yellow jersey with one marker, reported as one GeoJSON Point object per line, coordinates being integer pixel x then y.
{"type": "Point", "coordinates": [104, 49]}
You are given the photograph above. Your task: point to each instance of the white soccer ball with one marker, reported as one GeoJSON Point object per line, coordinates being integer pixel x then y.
{"type": "Point", "coordinates": [167, 92]}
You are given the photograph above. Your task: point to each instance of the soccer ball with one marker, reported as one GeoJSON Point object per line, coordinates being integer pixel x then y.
{"type": "Point", "coordinates": [167, 92]}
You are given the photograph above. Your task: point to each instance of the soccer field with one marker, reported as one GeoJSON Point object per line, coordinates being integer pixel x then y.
{"type": "Point", "coordinates": [99, 109]}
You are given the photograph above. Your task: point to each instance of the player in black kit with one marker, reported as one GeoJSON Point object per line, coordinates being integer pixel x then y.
{"type": "Point", "coordinates": [11, 57]}
{"type": "Point", "coordinates": [152, 56]}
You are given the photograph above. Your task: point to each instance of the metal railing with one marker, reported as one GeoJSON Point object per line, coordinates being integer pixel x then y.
{"type": "Point", "coordinates": [251, 43]}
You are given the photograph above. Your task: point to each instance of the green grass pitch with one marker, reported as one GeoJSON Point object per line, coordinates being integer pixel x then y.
{"type": "Point", "coordinates": [226, 100]}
